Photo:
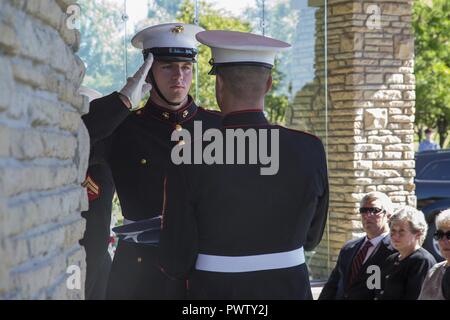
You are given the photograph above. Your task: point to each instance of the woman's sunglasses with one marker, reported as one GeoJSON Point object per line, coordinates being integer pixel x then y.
{"type": "Point", "coordinates": [438, 235]}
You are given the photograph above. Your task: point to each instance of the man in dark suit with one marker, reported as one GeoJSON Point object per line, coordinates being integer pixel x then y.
{"type": "Point", "coordinates": [236, 230]}
{"type": "Point", "coordinates": [348, 280]}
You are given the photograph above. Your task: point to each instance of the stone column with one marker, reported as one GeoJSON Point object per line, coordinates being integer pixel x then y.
{"type": "Point", "coordinates": [370, 111]}
{"type": "Point", "coordinates": [44, 150]}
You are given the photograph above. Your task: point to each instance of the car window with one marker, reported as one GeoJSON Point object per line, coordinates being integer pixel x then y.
{"type": "Point", "coordinates": [436, 170]}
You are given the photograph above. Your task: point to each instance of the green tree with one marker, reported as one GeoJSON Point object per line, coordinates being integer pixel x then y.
{"type": "Point", "coordinates": [171, 6]}
{"type": "Point", "coordinates": [219, 19]}
{"type": "Point", "coordinates": [432, 65]}
{"type": "Point", "coordinates": [102, 43]}
{"type": "Point", "coordinates": [161, 11]}
{"type": "Point", "coordinates": [210, 19]}
{"type": "Point", "coordinates": [280, 21]}
{"type": "Point", "coordinates": [276, 103]}
{"type": "Point", "coordinates": [101, 46]}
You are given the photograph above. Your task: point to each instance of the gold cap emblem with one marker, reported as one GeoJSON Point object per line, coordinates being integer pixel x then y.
{"type": "Point", "coordinates": [177, 29]}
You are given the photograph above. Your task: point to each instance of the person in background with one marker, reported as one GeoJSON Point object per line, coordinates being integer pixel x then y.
{"type": "Point", "coordinates": [99, 185]}
{"type": "Point", "coordinates": [437, 282]}
{"type": "Point", "coordinates": [404, 271]}
{"type": "Point", "coordinates": [348, 280]}
{"type": "Point", "coordinates": [428, 144]}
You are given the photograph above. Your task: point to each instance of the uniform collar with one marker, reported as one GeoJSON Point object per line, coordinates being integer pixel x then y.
{"type": "Point", "coordinates": [171, 116]}
{"type": "Point", "coordinates": [244, 118]}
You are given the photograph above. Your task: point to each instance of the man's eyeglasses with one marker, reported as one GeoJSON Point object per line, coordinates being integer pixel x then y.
{"type": "Point", "coordinates": [372, 211]}
{"type": "Point", "coordinates": [438, 235]}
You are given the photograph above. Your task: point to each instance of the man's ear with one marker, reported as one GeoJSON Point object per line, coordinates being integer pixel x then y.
{"type": "Point", "coordinates": [269, 83]}
{"type": "Point", "coordinates": [219, 83]}
{"type": "Point", "coordinates": [219, 89]}
{"type": "Point", "coordinates": [418, 235]}
{"type": "Point", "coordinates": [148, 79]}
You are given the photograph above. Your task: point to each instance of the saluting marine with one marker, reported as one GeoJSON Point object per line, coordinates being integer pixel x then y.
{"type": "Point", "coordinates": [136, 145]}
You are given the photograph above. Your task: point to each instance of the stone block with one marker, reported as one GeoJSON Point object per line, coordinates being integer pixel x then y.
{"type": "Point", "coordinates": [394, 164]}
{"type": "Point", "coordinates": [374, 78]}
{"type": "Point", "coordinates": [401, 118]}
{"type": "Point", "coordinates": [351, 42]}
{"type": "Point", "coordinates": [346, 8]}
{"type": "Point", "coordinates": [393, 155]}
{"type": "Point", "coordinates": [400, 147]}
{"type": "Point", "coordinates": [396, 78]}
{"type": "Point", "coordinates": [4, 141]}
{"type": "Point", "coordinates": [375, 118]}
{"type": "Point", "coordinates": [403, 47]}
{"type": "Point", "coordinates": [7, 87]}
{"type": "Point", "coordinates": [383, 95]}
{"type": "Point", "coordinates": [384, 173]}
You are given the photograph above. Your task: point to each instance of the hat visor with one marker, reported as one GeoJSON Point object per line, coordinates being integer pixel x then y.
{"type": "Point", "coordinates": [175, 59]}
{"type": "Point", "coordinates": [213, 70]}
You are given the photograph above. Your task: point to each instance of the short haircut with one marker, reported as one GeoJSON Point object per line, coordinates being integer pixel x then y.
{"type": "Point", "coordinates": [415, 219]}
{"type": "Point", "coordinates": [244, 81]}
{"type": "Point", "coordinates": [386, 203]}
{"type": "Point", "coordinates": [443, 218]}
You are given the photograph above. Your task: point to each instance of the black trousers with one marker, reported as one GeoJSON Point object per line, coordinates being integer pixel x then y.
{"type": "Point", "coordinates": [278, 284]}
{"type": "Point", "coordinates": [135, 275]}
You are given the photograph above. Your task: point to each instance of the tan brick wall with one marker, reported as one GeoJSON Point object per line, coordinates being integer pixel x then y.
{"type": "Point", "coordinates": [370, 111]}
{"type": "Point", "coordinates": [43, 150]}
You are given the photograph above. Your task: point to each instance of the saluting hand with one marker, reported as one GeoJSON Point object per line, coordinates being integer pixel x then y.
{"type": "Point", "coordinates": [136, 87]}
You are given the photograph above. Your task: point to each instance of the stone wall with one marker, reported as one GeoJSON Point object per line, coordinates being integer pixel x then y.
{"type": "Point", "coordinates": [368, 124]}
{"type": "Point", "coordinates": [43, 151]}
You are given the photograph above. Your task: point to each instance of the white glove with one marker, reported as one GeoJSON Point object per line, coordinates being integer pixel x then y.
{"type": "Point", "coordinates": [136, 87]}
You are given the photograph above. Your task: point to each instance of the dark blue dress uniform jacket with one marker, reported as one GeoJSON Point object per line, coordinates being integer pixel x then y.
{"type": "Point", "coordinates": [233, 210]}
{"type": "Point", "coordinates": [136, 146]}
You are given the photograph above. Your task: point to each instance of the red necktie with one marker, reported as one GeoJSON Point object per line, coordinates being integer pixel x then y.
{"type": "Point", "coordinates": [358, 262]}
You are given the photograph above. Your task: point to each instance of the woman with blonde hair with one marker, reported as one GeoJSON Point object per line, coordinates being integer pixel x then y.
{"type": "Point", "coordinates": [405, 270]}
{"type": "Point", "coordinates": [437, 282]}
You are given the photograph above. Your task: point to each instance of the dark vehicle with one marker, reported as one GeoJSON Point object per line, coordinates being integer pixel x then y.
{"type": "Point", "coordinates": [432, 191]}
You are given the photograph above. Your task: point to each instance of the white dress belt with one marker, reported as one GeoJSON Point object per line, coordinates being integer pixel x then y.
{"type": "Point", "coordinates": [279, 260]}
